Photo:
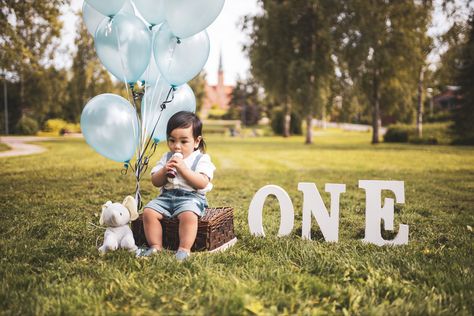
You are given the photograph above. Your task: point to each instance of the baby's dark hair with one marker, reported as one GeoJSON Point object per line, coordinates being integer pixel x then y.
{"type": "Point", "coordinates": [185, 119]}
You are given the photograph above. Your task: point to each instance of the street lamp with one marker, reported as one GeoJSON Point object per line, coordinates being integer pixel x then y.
{"type": "Point", "coordinates": [5, 101]}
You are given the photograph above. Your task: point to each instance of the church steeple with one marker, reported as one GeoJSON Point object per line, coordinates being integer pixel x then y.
{"type": "Point", "coordinates": [220, 61]}
{"type": "Point", "coordinates": [220, 72]}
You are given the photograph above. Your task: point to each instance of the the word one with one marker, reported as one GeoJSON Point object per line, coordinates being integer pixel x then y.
{"type": "Point", "coordinates": [329, 223]}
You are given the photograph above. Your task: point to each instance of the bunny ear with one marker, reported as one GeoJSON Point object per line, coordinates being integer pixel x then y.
{"type": "Point", "coordinates": [130, 203]}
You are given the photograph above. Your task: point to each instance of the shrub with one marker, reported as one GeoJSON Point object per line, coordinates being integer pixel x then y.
{"type": "Point", "coordinates": [216, 114]}
{"type": "Point", "coordinates": [396, 134]}
{"type": "Point", "coordinates": [54, 125]}
{"type": "Point", "coordinates": [278, 121]}
{"type": "Point", "coordinates": [60, 127]}
{"type": "Point", "coordinates": [428, 140]}
{"type": "Point", "coordinates": [434, 133]}
{"type": "Point", "coordinates": [443, 116]}
{"type": "Point", "coordinates": [27, 126]}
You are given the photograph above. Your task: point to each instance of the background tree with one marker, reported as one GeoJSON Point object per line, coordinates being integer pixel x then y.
{"type": "Point", "coordinates": [246, 103]}
{"type": "Point", "coordinates": [89, 78]}
{"type": "Point", "coordinates": [312, 68]}
{"type": "Point", "coordinates": [290, 53]}
{"type": "Point", "coordinates": [450, 61]}
{"type": "Point", "coordinates": [198, 84]}
{"type": "Point", "coordinates": [29, 31]}
{"type": "Point", "coordinates": [347, 101]}
{"type": "Point", "coordinates": [270, 53]}
{"type": "Point", "coordinates": [382, 48]}
{"type": "Point", "coordinates": [464, 115]}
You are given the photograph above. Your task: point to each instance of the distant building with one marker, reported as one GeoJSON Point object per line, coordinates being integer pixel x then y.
{"type": "Point", "coordinates": [217, 96]}
{"type": "Point", "coordinates": [449, 99]}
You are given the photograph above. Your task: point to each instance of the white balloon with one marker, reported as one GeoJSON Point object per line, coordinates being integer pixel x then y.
{"type": "Point", "coordinates": [108, 8]}
{"type": "Point", "coordinates": [123, 46]}
{"type": "Point", "coordinates": [109, 124]}
{"type": "Point", "coordinates": [180, 60]}
{"type": "Point", "coordinates": [152, 73]}
{"type": "Point", "coordinates": [127, 8]}
{"type": "Point", "coordinates": [189, 17]}
{"type": "Point", "coordinates": [91, 17]}
{"type": "Point", "coordinates": [184, 100]}
{"type": "Point", "coordinates": [153, 11]}
{"type": "Point", "coordinates": [155, 95]}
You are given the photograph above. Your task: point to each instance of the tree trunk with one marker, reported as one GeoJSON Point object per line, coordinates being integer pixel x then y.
{"type": "Point", "coordinates": [287, 119]}
{"type": "Point", "coordinates": [376, 122]}
{"type": "Point", "coordinates": [309, 129]}
{"type": "Point", "coordinates": [419, 108]}
{"type": "Point", "coordinates": [323, 117]}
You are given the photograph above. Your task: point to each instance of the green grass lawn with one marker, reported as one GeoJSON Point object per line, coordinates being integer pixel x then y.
{"type": "Point", "coordinates": [50, 263]}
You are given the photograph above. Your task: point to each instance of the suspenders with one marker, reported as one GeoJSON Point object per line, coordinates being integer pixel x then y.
{"type": "Point", "coordinates": [195, 163]}
{"type": "Point", "coordinates": [193, 167]}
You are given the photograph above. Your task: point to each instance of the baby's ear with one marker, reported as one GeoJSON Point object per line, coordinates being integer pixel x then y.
{"type": "Point", "coordinates": [197, 141]}
{"type": "Point", "coordinates": [130, 203]}
{"type": "Point", "coordinates": [107, 204]}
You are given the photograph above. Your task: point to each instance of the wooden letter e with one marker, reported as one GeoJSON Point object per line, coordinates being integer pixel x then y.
{"type": "Point", "coordinates": [375, 212]}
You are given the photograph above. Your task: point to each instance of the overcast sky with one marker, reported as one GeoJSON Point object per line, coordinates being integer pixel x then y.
{"type": "Point", "coordinates": [225, 36]}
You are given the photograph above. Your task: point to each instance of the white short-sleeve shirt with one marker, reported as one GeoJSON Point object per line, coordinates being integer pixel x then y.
{"type": "Point", "coordinates": [204, 166]}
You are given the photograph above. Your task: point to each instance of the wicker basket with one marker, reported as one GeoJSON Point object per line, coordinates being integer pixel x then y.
{"type": "Point", "coordinates": [215, 229]}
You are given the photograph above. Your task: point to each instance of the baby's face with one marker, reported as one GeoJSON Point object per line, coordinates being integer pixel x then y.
{"type": "Point", "coordinates": [181, 140]}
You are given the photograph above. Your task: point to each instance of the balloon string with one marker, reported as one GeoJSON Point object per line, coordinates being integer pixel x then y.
{"type": "Point", "coordinates": [163, 107]}
{"type": "Point", "coordinates": [161, 90]}
{"type": "Point", "coordinates": [178, 41]}
{"type": "Point", "coordinates": [152, 103]}
{"type": "Point", "coordinates": [144, 105]}
{"type": "Point", "coordinates": [154, 96]}
{"type": "Point", "coordinates": [141, 165]}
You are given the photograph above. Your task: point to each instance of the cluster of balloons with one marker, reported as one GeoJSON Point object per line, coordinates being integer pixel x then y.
{"type": "Point", "coordinates": [162, 44]}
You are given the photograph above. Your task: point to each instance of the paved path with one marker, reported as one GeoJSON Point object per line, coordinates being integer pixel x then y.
{"type": "Point", "coordinates": [348, 126]}
{"type": "Point", "coordinates": [20, 148]}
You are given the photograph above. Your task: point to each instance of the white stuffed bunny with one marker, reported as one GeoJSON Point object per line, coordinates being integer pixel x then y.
{"type": "Point", "coordinates": [116, 217]}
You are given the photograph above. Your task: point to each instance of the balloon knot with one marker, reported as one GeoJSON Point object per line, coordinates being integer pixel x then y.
{"type": "Point", "coordinates": [178, 40]}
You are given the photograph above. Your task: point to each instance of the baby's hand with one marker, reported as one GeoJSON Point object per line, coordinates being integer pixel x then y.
{"type": "Point", "coordinates": [170, 165]}
{"type": "Point", "coordinates": [176, 162]}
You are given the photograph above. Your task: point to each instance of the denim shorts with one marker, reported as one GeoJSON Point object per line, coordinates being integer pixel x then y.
{"type": "Point", "coordinates": [171, 203]}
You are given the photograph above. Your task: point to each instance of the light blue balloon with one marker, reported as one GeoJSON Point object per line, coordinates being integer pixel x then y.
{"type": "Point", "coordinates": [107, 7]}
{"type": "Point", "coordinates": [184, 100]}
{"type": "Point", "coordinates": [189, 17]}
{"type": "Point", "coordinates": [109, 124]}
{"type": "Point", "coordinates": [153, 11]}
{"type": "Point", "coordinates": [123, 45]}
{"type": "Point", "coordinates": [127, 8]}
{"type": "Point", "coordinates": [151, 73]}
{"type": "Point", "coordinates": [92, 18]}
{"type": "Point", "coordinates": [155, 95]}
{"type": "Point", "coordinates": [180, 62]}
